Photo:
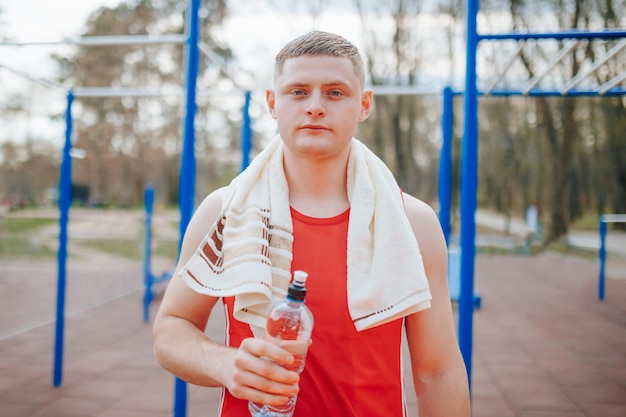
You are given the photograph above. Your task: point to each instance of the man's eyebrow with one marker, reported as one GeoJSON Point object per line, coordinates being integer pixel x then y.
{"type": "Point", "coordinates": [333, 83]}
{"type": "Point", "coordinates": [337, 83]}
{"type": "Point", "coordinates": [295, 84]}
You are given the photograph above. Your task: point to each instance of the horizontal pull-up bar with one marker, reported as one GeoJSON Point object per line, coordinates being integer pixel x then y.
{"type": "Point", "coordinates": [137, 92]}
{"type": "Point", "coordinates": [125, 92]}
{"type": "Point", "coordinates": [107, 40]}
{"type": "Point", "coordinates": [105, 91]}
{"type": "Point", "coordinates": [404, 90]}
{"type": "Point", "coordinates": [613, 218]}
{"type": "Point", "coordinates": [552, 93]}
{"type": "Point", "coordinates": [568, 34]}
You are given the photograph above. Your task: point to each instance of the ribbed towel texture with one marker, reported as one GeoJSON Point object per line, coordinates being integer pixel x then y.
{"type": "Point", "coordinates": [247, 252]}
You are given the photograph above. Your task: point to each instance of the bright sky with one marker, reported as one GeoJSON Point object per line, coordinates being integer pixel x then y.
{"type": "Point", "coordinates": [38, 20]}
{"type": "Point", "coordinates": [48, 20]}
{"type": "Point", "coordinates": [267, 29]}
{"type": "Point", "coordinates": [45, 20]}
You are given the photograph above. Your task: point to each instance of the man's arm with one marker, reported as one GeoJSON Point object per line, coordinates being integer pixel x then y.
{"type": "Point", "coordinates": [439, 373]}
{"type": "Point", "coordinates": [182, 348]}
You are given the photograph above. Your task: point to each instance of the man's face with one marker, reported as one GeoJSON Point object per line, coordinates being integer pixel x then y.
{"type": "Point", "coordinates": [317, 103]}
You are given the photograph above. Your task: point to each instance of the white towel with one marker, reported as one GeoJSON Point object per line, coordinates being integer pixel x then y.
{"type": "Point", "coordinates": [247, 252]}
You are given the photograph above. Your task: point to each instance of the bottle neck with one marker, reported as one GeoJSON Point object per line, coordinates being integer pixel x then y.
{"type": "Point", "coordinates": [294, 302]}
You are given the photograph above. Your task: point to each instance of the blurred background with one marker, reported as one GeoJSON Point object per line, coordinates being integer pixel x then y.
{"type": "Point", "coordinates": [564, 156]}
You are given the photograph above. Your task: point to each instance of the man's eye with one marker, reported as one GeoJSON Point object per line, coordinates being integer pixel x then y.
{"type": "Point", "coordinates": [335, 93]}
{"type": "Point", "coordinates": [298, 92]}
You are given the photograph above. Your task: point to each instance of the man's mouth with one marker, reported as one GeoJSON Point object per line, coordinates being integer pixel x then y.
{"type": "Point", "coordinates": [313, 127]}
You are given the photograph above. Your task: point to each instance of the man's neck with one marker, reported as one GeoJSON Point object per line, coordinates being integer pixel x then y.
{"type": "Point", "coordinates": [317, 188]}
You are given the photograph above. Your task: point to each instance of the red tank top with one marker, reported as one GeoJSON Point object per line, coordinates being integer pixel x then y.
{"type": "Point", "coordinates": [347, 373]}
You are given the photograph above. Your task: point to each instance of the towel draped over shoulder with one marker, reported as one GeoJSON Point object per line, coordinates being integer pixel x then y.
{"type": "Point", "coordinates": [247, 252]}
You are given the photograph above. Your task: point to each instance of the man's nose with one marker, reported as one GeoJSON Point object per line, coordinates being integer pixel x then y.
{"type": "Point", "coordinates": [315, 105]}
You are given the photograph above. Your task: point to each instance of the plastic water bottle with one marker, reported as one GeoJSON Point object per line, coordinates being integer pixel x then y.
{"type": "Point", "coordinates": [289, 324]}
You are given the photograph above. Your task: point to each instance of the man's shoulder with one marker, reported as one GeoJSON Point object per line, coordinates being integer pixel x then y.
{"type": "Point", "coordinates": [208, 211]}
{"type": "Point", "coordinates": [424, 220]}
{"type": "Point", "coordinates": [213, 200]}
{"type": "Point", "coordinates": [417, 209]}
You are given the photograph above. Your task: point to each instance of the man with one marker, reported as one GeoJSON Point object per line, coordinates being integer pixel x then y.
{"type": "Point", "coordinates": [376, 260]}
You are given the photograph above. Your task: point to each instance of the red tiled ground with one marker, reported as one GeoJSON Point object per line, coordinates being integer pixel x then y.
{"type": "Point", "coordinates": [544, 346]}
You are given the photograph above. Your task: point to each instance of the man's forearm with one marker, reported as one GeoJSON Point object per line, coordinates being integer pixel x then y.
{"type": "Point", "coordinates": [186, 352]}
{"type": "Point", "coordinates": [444, 395]}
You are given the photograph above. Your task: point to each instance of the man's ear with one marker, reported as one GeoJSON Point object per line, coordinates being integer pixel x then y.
{"type": "Point", "coordinates": [367, 102]}
{"type": "Point", "coordinates": [271, 101]}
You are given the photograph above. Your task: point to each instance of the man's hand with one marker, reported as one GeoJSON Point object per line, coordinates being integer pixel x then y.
{"type": "Point", "coordinates": [253, 377]}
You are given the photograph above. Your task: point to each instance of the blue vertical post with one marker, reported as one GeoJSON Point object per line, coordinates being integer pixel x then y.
{"type": "Point", "coordinates": [65, 201]}
{"type": "Point", "coordinates": [602, 254]}
{"type": "Point", "coordinates": [469, 187]}
{"type": "Point", "coordinates": [444, 185]}
{"type": "Point", "coordinates": [148, 198]}
{"type": "Point", "coordinates": [187, 184]}
{"type": "Point", "coordinates": [246, 133]}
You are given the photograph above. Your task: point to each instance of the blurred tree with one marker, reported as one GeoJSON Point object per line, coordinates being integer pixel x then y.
{"type": "Point", "coordinates": [403, 128]}
{"type": "Point", "coordinates": [565, 122]}
{"type": "Point", "coordinates": [134, 141]}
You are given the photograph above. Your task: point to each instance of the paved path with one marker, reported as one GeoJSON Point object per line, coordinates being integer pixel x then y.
{"type": "Point", "coordinates": [615, 241]}
{"type": "Point", "coordinates": [544, 346]}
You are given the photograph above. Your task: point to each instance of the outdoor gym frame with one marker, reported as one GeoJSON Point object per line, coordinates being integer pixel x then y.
{"type": "Point", "coordinates": [469, 151]}
{"type": "Point", "coordinates": [469, 147]}
{"type": "Point", "coordinates": [193, 46]}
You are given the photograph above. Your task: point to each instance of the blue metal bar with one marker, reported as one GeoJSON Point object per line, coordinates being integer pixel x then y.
{"type": "Point", "coordinates": [188, 159]}
{"type": "Point", "coordinates": [567, 34]}
{"type": "Point", "coordinates": [65, 201]}
{"type": "Point", "coordinates": [444, 185]}
{"type": "Point", "coordinates": [147, 253]}
{"type": "Point", "coordinates": [246, 133]}
{"type": "Point", "coordinates": [149, 278]}
{"type": "Point", "coordinates": [602, 255]}
{"type": "Point", "coordinates": [187, 184]}
{"type": "Point", "coordinates": [469, 187]}
{"type": "Point", "coordinates": [548, 93]}
{"type": "Point", "coordinates": [551, 93]}
{"type": "Point", "coordinates": [180, 396]}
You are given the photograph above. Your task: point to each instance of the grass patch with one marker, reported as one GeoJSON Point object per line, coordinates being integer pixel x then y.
{"type": "Point", "coordinates": [18, 238]}
{"type": "Point", "coordinates": [129, 249]}
{"type": "Point", "coordinates": [565, 249]}
{"type": "Point", "coordinates": [14, 247]}
{"type": "Point", "coordinates": [19, 225]}
{"type": "Point", "coordinates": [166, 249]}
{"type": "Point", "coordinates": [589, 221]}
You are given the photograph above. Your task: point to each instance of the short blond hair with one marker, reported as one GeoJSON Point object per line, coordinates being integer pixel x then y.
{"type": "Point", "coordinates": [321, 43]}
